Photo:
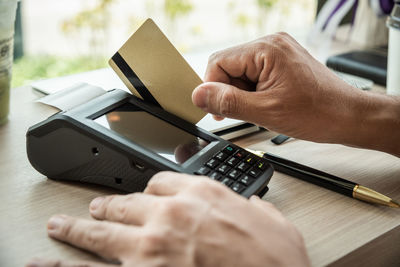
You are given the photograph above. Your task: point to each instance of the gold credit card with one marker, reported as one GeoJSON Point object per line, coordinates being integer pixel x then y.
{"type": "Point", "coordinates": [152, 68]}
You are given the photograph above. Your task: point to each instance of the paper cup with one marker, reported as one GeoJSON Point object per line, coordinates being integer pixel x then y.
{"type": "Point", "coordinates": [7, 20]}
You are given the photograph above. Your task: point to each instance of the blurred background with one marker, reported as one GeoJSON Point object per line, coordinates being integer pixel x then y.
{"type": "Point", "coordinates": [55, 38]}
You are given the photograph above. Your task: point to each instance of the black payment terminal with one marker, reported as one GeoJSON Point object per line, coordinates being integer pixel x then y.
{"type": "Point", "coordinates": [120, 141]}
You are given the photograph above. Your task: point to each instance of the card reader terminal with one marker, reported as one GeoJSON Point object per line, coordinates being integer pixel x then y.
{"type": "Point", "coordinates": [120, 141]}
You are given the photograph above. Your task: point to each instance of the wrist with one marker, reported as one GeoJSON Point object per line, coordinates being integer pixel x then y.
{"type": "Point", "coordinates": [374, 123]}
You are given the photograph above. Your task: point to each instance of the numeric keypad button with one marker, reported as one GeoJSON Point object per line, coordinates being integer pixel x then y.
{"type": "Point", "coordinates": [203, 170]}
{"type": "Point", "coordinates": [215, 176]}
{"type": "Point", "coordinates": [240, 154]}
{"type": "Point", "coordinates": [221, 156]}
{"type": "Point", "coordinates": [238, 187]}
{"type": "Point", "coordinates": [212, 163]}
{"type": "Point", "coordinates": [243, 166]}
{"type": "Point", "coordinates": [246, 180]}
{"type": "Point", "coordinates": [229, 150]}
{"type": "Point", "coordinates": [234, 174]}
{"type": "Point", "coordinates": [223, 168]}
{"type": "Point", "coordinates": [262, 165]}
{"type": "Point", "coordinates": [226, 181]}
{"type": "Point", "coordinates": [232, 161]}
{"type": "Point", "coordinates": [250, 160]}
{"type": "Point", "coordinates": [255, 172]}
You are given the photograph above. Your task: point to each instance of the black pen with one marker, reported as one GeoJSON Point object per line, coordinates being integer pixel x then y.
{"type": "Point", "coordinates": [326, 180]}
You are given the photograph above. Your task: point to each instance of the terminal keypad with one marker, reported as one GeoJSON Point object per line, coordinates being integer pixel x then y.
{"type": "Point", "coordinates": [233, 167]}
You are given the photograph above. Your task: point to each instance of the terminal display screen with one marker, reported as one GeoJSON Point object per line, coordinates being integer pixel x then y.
{"type": "Point", "coordinates": [152, 133]}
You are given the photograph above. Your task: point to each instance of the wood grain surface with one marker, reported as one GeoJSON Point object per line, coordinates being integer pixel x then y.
{"type": "Point", "coordinates": [337, 230]}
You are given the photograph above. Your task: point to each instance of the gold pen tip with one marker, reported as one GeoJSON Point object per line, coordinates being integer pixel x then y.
{"type": "Point", "coordinates": [394, 204]}
{"type": "Point", "coordinates": [369, 195]}
{"type": "Point", "coordinates": [256, 152]}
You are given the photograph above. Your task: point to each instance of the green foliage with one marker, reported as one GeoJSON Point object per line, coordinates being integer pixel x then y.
{"type": "Point", "coordinates": [30, 68]}
{"type": "Point", "coordinates": [231, 5]}
{"type": "Point", "coordinates": [243, 20]}
{"type": "Point", "coordinates": [196, 30]}
{"type": "Point", "coordinates": [94, 18]}
{"type": "Point", "coordinates": [176, 8]}
{"type": "Point", "coordinates": [92, 24]}
{"type": "Point", "coordinates": [266, 4]}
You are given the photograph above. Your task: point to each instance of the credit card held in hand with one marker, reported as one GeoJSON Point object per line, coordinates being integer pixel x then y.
{"type": "Point", "coordinates": [152, 69]}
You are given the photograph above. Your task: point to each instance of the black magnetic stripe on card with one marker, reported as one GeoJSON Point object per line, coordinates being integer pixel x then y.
{"type": "Point", "coordinates": [134, 79]}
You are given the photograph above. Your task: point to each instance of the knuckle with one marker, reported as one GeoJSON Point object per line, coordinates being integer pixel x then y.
{"type": "Point", "coordinates": [282, 43]}
{"type": "Point", "coordinates": [106, 210]}
{"type": "Point", "coordinates": [283, 34]}
{"type": "Point", "coordinates": [176, 212]}
{"type": "Point", "coordinates": [171, 208]}
{"type": "Point", "coordinates": [157, 177]}
{"type": "Point", "coordinates": [118, 208]}
{"type": "Point", "coordinates": [152, 242]}
{"type": "Point", "coordinates": [262, 48]}
{"type": "Point", "coordinates": [261, 44]}
{"type": "Point", "coordinates": [152, 185]}
{"type": "Point", "coordinates": [121, 211]}
{"type": "Point", "coordinates": [202, 184]}
{"type": "Point", "coordinates": [213, 57]}
{"type": "Point", "coordinates": [228, 102]}
{"type": "Point", "coordinates": [66, 229]}
{"type": "Point", "coordinates": [279, 40]}
{"type": "Point", "coordinates": [209, 187]}
{"type": "Point", "coordinates": [97, 238]}
{"type": "Point", "coordinates": [217, 189]}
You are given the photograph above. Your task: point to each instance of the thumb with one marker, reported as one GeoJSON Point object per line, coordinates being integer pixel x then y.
{"type": "Point", "coordinates": [225, 100]}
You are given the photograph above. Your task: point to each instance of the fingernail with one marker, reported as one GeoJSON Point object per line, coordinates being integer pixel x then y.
{"type": "Point", "coordinates": [200, 97]}
{"type": "Point", "coordinates": [96, 203]}
{"type": "Point", "coordinates": [55, 222]}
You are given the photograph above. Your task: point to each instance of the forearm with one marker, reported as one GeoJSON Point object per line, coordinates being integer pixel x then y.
{"type": "Point", "coordinates": [375, 123]}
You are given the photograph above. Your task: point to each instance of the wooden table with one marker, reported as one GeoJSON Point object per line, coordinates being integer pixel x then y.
{"type": "Point", "coordinates": [337, 230]}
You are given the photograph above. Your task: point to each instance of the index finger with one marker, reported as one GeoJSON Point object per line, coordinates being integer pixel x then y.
{"type": "Point", "coordinates": [107, 239]}
{"type": "Point", "coordinates": [237, 63]}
